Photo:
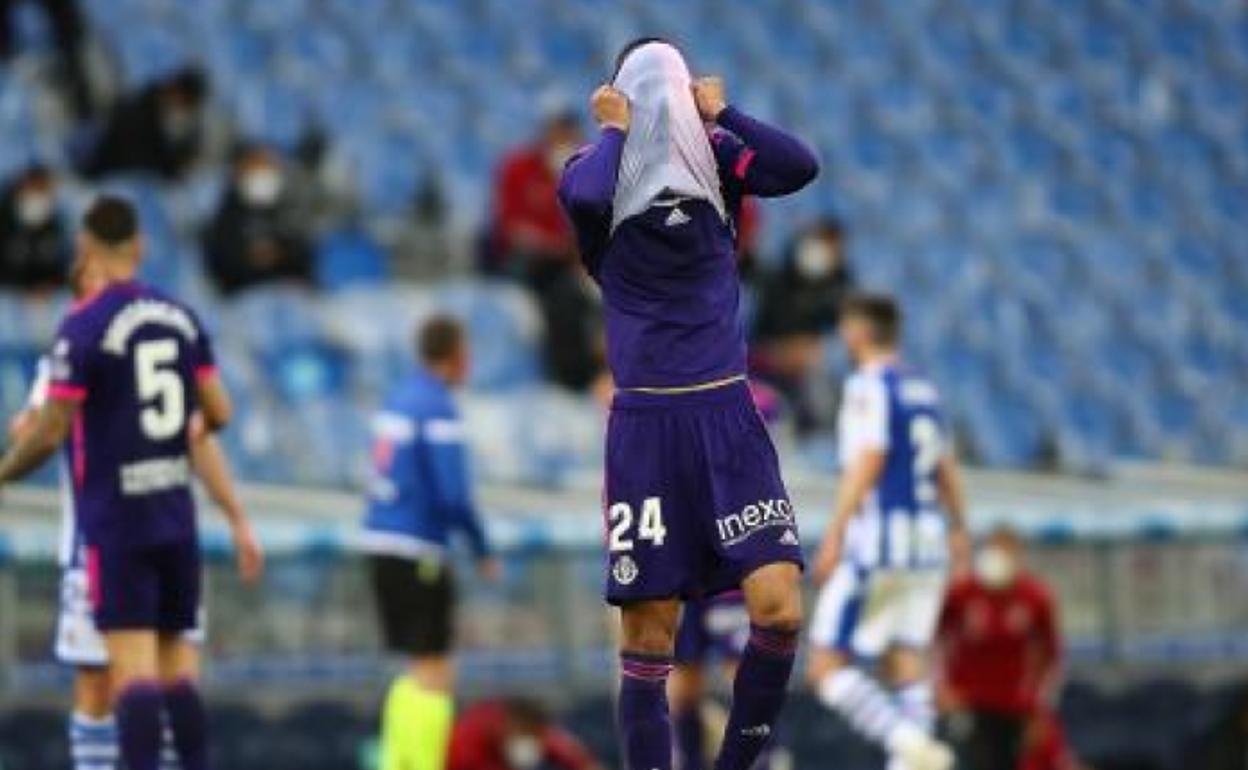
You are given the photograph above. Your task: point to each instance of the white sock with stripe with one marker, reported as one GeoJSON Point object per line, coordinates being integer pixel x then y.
{"type": "Point", "coordinates": [93, 742]}
{"type": "Point", "coordinates": [917, 703]}
{"type": "Point", "coordinates": [866, 706]}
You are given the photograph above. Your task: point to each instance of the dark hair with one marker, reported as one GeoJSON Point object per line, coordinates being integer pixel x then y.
{"type": "Point", "coordinates": [527, 712]}
{"type": "Point", "coordinates": [879, 311]}
{"type": "Point", "coordinates": [440, 338]}
{"type": "Point", "coordinates": [111, 220]}
{"type": "Point", "coordinates": [633, 46]}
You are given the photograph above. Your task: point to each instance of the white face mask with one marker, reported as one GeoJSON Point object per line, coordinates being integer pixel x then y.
{"type": "Point", "coordinates": [34, 209]}
{"type": "Point", "coordinates": [522, 752]}
{"type": "Point", "coordinates": [814, 258]}
{"type": "Point", "coordinates": [261, 187]}
{"type": "Point", "coordinates": [995, 567]}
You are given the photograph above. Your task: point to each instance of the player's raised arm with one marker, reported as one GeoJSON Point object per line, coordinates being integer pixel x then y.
{"type": "Point", "coordinates": [588, 183]}
{"type": "Point", "coordinates": [214, 471]}
{"type": "Point", "coordinates": [765, 160]}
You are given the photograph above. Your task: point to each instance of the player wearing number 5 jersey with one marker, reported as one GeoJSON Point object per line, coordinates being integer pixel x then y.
{"type": "Point", "coordinates": [884, 558]}
{"type": "Point", "coordinates": [128, 369]}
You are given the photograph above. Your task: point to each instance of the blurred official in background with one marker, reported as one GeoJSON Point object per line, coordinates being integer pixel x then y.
{"type": "Point", "coordinates": [1000, 655]}
{"type": "Point", "coordinates": [419, 494]}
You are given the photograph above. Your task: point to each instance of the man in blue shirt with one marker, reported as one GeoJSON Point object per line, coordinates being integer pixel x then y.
{"type": "Point", "coordinates": [419, 494]}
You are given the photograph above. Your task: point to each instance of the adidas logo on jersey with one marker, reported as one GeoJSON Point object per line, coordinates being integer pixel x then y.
{"type": "Point", "coordinates": [789, 538]}
{"type": "Point", "coordinates": [676, 218]}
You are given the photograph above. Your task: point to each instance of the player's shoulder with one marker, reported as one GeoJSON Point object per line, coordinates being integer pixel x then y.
{"type": "Point", "coordinates": [420, 395]}
{"type": "Point", "coordinates": [1035, 589]}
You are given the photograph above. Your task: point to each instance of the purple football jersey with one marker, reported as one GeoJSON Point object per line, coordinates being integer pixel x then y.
{"type": "Point", "coordinates": [131, 357]}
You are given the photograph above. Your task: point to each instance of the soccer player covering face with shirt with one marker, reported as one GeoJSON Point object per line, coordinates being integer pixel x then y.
{"type": "Point", "coordinates": [694, 500]}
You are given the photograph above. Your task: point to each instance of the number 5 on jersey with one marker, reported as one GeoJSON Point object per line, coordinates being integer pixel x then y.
{"type": "Point", "coordinates": [650, 525]}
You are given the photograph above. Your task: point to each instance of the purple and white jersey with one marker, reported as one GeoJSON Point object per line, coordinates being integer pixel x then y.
{"type": "Point", "coordinates": [131, 356]}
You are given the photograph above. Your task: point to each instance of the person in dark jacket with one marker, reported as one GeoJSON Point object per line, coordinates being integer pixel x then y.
{"type": "Point", "coordinates": [34, 247]}
{"type": "Point", "coordinates": [158, 130]}
{"type": "Point", "coordinates": [256, 236]}
{"type": "Point", "coordinates": [798, 305]}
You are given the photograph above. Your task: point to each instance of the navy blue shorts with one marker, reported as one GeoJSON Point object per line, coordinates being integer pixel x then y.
{"type": "Point", "coordinates": [715, 627]}
{"type": "Point", "coordinates": [145, 588]}
{"type": "Point", "coordinates": [694, 499]}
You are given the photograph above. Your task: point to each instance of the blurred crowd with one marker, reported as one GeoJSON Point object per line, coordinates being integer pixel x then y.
{"type": "Point", "coordinates": [290, 217]}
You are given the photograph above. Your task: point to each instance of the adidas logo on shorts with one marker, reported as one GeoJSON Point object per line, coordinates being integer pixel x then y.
{"type": "Point", "coordinates": [789, 538]}
{"type": "Point", "coordinates": [676, 218]}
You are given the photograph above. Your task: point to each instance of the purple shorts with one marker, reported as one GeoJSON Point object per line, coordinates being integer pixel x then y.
{"type": "Point", "coordinates": [694, 499]}
{"type": "Point", "coordinates": [153, 587]}
{"type": "Point", "coordinates": [717, 627]}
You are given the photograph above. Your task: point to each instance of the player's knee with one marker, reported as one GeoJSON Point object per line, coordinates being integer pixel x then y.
{"type": "Point", "coordinates": [650, 639]}
{"type": "Point", "coordinates": [780, 610]}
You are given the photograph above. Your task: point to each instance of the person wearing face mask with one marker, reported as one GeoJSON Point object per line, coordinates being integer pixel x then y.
{"type": "Point", "coordinates": [798, 304]}
{"type": "Point", "coordinates": [34, 248]}
{"type": "Point", "coordinates": [158, 130]}
{"type": "Point", "coordinates": [256, 236]}
{"type": "Point", "coordinates": [514, 734]}
{"type": "Point", "coordinates": [531, 241]}
{"type": "Point", "coordinates": [1000, 654]}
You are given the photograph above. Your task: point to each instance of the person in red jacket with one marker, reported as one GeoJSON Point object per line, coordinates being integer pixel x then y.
{"type": "Point", "coordinates": [1000, 653]}
{"type": "Point", "coordinates": [514, 734]}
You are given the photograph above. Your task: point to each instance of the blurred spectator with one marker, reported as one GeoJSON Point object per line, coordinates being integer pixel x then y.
{"type": "Point", "coordinates": [798, 304]}
{"type": "Point", "coordinates": [69, 30]}
{"type": "Point", "coordinates": [531, 240]}
{"type": "Point", "coordinates": [529, 231]}
{"type": "Point", "coordinates": [34, 246]}
{"type": "Point", "coordinates": [803, 297]}
{"type": "Point", "coordinates": [513, 734]}
{"type": "Point", "coordinates": [158, 130]}
{"type": "Point", "coordinates": [999, 651]}
{"type": "Point", "coordinates": [257, 236]}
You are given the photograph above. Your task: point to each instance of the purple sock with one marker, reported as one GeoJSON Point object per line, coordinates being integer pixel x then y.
{"type": "Point", "coordinates": [139, 725]}
{"type": "Point", "coordinates": [689, 749]}
{"type": "Point", "coordinates": [757, 696]}
{"type": "Point", "coordinates": [645, 727]}
{"type": "Point", "coordinates": [188, 723]}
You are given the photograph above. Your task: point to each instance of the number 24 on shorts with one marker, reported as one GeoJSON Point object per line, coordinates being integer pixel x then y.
{"type": "Point", "coordinates": [650, 525]}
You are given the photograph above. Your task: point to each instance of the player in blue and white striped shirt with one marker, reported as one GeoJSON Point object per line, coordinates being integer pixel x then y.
{"type": "Point", "coordinates": [884, 560]}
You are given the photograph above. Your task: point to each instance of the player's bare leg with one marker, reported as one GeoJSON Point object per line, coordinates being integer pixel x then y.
{"type": "Point", "coordinates": [773, 599]}
{"type": "Point", "coordinates": [179, 666]}
{"type": "Point", "coordinates": [859, 699]}
{"type": "Point", "coordinates": [648, 641]}
{"type": "Point", "coordinates": [139, 699]}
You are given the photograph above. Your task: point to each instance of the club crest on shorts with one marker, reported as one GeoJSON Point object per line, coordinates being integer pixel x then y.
{"type": "Point", "coordinates": [624, 571]}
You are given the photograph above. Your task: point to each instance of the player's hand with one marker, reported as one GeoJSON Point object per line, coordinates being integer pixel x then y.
{"type": "Point", "coordinates": [610, 108]}
{"type": "Point", "coordinates": [490, 569]}
{"type": "Point", "coordinates": [960, 552]}
{"type": "Point", "coordinates": [708, 94]}
{"type": "Point", "coordinates": [827, 558]}
{"type": "Point", "coordinates": [248, 553]}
